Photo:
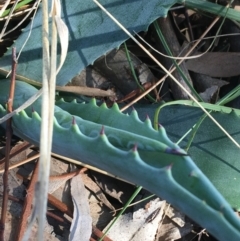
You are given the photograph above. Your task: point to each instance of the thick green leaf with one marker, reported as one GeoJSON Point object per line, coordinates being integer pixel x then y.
{"type": "Point", "coordinates": [129, 152]}
{"type": "Point", "coordinates": [211, 150]}
{"type": "Point", "coordinates": [92, 34]}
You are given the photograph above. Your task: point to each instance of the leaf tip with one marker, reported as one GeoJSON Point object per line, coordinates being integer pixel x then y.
{"type": "Point", "coordinates": [174, 151]}
{"type": "Point", "coordinates": [74, 120]}
{"type": "Point", "coordinates": [102, 132]}
{"type": "Point", "coordinates": [134, 149]}
{"type": "Point", "coordinates": [169, 167]}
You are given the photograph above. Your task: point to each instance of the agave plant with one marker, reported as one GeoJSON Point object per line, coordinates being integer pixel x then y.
{"type": "Point", "coordinates": [123, 144]}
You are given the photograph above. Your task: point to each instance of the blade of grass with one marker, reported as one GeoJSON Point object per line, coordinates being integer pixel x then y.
{"type": "Point", "coordinates": [212, 107]}
{"type": "Point", "coordinates": [208, 106]}
{"type": "Point", "coordinates": [33, 8]}
{"type": "Point", "coordinates": [122, 211]}
{"type": "Point", "coordinates": [233, 94]}
{"type": "Point", "coordinates": [134, 73]}
{"type": "Point", "coordinates": [161, 37]}
{"type": "Point", "coordinates": [4, 7]}
{"type": "Point", "coordinates": [213, 8]}
{"type": "Point", "coordinates": [193, 130]}
{"type": "Point", "coordinates": [19, 5]}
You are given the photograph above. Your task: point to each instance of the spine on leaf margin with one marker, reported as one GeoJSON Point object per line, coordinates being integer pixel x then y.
{"type": "Point", "coordinates": [131, 149]}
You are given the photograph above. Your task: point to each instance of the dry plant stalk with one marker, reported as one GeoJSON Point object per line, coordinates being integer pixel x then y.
{"type": "Point", "coordinates": [27, 205]}
{"type": "Point", "coordinates": [44, 160]}
{"type": "Point", "coordinates": [8, 146]}
{"type": "Point", "coordinates": [49, 72]}
{"type": "Point", "coordinates": [48, 101]}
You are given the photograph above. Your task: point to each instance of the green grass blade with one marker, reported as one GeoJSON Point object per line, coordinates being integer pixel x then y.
{"type": "Point", "coordinates": [213, 8]}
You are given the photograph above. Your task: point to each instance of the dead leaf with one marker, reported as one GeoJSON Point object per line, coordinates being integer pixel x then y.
{"type": "Point", "coordinates": [117, 189]}
{"type": "Point", "coordinates": [81, 228]}
{"type": "Point", "coordinates": [176, 216]}
{"type": "Point", "coordinates": [174, 226]}
{"type": "Point", "coordinates": [91, 185]}
{"type": "Point", "coordinates": [210, 95]}
{"type": "Point", "coordinates": [216, 64]}
{"type": "Point", "coordinates": [170, 231]}
{"type": "Point", "coordinates": [142, 225]}
{"type": "Point", "coordinates": [201, 82]}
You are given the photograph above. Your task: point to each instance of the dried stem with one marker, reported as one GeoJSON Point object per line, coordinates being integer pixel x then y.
{"type": "Point", "coordinates": [27, 205]}
{"type": "Point", "coordinates": [99, 234]}
{"type": "Point", "coordinates": [8, 146]}
{"type": "Point", "coordinates": [44, 137]}
{"type": "Point", "coordinates": [18, 149]}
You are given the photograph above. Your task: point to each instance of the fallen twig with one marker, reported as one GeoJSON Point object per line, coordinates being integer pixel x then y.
{"type": "Point", "coordinates": [27, 206]}
{"type": "Point", "coordinates": [18, 149]}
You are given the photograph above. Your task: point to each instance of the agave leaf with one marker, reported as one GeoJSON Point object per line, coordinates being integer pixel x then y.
{"type": "Point", "coordinates": [161, 168]}
{"type": "Point", "coordinates": [211, 150]}
{"type": "Point", "coordinates": [92, 33]}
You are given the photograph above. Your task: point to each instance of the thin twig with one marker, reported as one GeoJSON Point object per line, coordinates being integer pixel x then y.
{"type": "Point", "coordinates": [27, 206]}
{"type": "Point", "coordinates": [58, 218]}
{"type": "Point", "coordinates": [16, 150]}
{"type": "Point", "coordinates": [49, 214]}
{"type": "Point", "coordinates": [87, 166]}
{"type": "Point", "coordinates": [8, 146]}
{"type": "Point", "coordinates": [20, 163]}
{"type": "Point", "coordinates": [83, 90]}
{"type": "Point", "coordinates": [60, 205]}
{"type": "Point", "coordinates": [99, 234]}
{"type": "Point", "coordinates": [57, 203]}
